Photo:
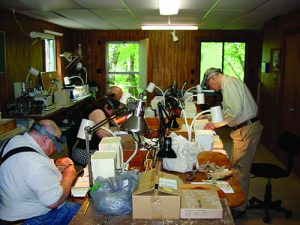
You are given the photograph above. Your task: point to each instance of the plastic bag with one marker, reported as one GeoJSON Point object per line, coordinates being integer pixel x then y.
{"type": "Point", "coordinates": [113, 195]}
{"type": "Point", "coordinates": [186, 152]}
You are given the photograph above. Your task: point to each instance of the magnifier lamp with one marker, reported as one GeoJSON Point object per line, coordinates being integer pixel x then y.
{"type": "Point", "coordinates": [67, 56]}
{"type": "Point", "coordinates": [200, 98]}
{"type": "Point", "coordinates": [217, 117]}
{"type": "Point", "coordinates": [80, 67]}
{"type": "Point", "coordinates": [150, 88]}
{"type": "Point", "coordinates": [32, 71]}
{"type": "Point", "coordinates": [67, 79]}
{"type": "Point", "coordinates": [136, 124]}
{"type": "Point", "coordinates": [198, 87]}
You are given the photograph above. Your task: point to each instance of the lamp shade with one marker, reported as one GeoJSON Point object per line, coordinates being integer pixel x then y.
{"type": "Point", "coordinates": [137, 123]}
{"type": "Point", "coordinates": [67, 56]}
{"type": "Point", "coordinates": [125, 97]}
{"type": "Point", "coordinates": [84, 123]}
{"type": "Point", "coordinates": [199, 88]}
{"type": "Point", "coordinates": [216, 114]}
{"type": "Point", "coordinates": [150, 87]}
{"type": "Point", "coordinates": [33, 71]}
{"type": "Point", "coordinates": [66, 80]}
{"type": "Point", "coordinates": [200, 98]}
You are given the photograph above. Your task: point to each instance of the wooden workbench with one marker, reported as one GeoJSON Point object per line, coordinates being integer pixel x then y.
{"type": "Point", "coordinates": [87, 215]}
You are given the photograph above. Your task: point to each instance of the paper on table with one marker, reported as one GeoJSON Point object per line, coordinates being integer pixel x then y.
{"type": "Point", "coordinates": [223, 185]}
{"type": "Point", "coordinates": [81, 186]}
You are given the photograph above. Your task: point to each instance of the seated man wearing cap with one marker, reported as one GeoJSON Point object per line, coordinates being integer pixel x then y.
{"type": "Point", "coordinates": [240, 113]}
{"type": "Point", "coordinates": [32, 189]}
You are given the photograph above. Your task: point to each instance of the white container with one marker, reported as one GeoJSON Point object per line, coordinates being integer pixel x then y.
{"type": "Point", "coordinates": [205, 138]}
{"type": "Point", "coordinates": [111, 144]}
{"type": "Point", "coordinates": [103, 164]}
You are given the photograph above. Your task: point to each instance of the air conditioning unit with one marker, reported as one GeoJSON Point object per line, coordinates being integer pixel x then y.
{"type": "Point", "coordinates": [38, 35]}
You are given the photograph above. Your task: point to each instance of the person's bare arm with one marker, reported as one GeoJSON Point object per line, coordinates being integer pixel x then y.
{"type": "Point", "coordinates": [68, 177]}
{"type": "Point", "coordinates": [97, 116]}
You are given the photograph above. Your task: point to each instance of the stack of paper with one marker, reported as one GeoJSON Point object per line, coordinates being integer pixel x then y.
{"type": "Point", "coordinates": [81, 186]}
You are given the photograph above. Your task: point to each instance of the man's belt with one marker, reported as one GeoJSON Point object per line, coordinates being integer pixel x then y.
{"type": "Point", "coordinates": [247, 122]}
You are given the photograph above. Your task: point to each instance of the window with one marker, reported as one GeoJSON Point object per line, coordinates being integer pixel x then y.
{"type": "Point", "coordinates": [50, 55]}
{"type": "Point", "coordinates": [229, 56]}
{"type": "Point", "coordinates": [123, 66]}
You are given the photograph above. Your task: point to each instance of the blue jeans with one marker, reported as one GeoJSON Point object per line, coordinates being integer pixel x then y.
{"type": "Point", "coordinates": [61, 216]}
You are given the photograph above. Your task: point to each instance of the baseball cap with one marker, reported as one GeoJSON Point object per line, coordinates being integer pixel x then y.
{"type": "Point", "coordinates": [208, 74]}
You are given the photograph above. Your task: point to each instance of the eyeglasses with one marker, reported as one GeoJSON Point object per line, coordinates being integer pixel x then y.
{"type": "Point", "coordinates": [208, 79]}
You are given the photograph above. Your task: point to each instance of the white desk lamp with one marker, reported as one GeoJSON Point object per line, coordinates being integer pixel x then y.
{"type": "Point", "coordinates": [198, 87]}
{"type": "Point", "coordinates": [217, 117]}
{"type": "Point", "coordinates": [70, 58]}
{"type": "Point", "coordinates": [54, 84]}
{"type": "Point", "coordinates": [67, 79]}
{"type": "Point", "coordinates": [80, 67]}
{"type": "Point", "coordinates": [125, 97]}
{"type": "Point", "coordinates": [32, 71]}
{"type": "Point", "coordinates": [150, 88]}
{"type": "Point", "coordinates": [67, 56]}
{"type": "Point", "coordinates": [200, 98]}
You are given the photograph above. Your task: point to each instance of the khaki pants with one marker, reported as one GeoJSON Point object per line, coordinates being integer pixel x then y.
{"type": "Point", "coordinates": [245, 141]}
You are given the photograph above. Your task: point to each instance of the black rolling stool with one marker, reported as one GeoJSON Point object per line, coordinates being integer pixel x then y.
{"type": "Point", "coordinates": [289, 143]}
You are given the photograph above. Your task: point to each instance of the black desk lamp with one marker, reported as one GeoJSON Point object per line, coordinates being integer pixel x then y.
{"type": "Point", "coordinates": [165, 143]}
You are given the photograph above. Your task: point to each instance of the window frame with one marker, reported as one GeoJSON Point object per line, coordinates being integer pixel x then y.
{"type": "Point", "coordinates": [50, 49]}
{"type": "Point", "coordinates": [223, 44]}
{"type": "Point", "coordinates": [108, 72]}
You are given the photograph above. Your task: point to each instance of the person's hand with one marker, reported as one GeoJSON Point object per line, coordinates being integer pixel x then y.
{"type": "Point", "coordinates": [63, 163]}
{"type": "Point", "coordinates": [70, 173]}
{"type": "Point", "coordinates": [209, 126]}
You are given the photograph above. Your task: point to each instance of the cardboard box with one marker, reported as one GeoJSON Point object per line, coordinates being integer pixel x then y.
{"type": "Point", "coordinates": [157, 196]}
{"type": "Point", "coordinates": [200, 204]}
{"type": "Point", "coordinates": [62, 98]}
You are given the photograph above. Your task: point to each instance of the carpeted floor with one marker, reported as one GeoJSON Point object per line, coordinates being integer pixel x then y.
{"type": "Point", "coordinates": [286, 189]}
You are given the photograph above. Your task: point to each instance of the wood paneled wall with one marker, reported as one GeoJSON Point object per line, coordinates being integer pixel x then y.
{"type": "Point", "coordinates": [23, 52]}
{"type": "Point", "coordinates": [169, 61]}
{"type": "Point", "coordinates": [272, 83]}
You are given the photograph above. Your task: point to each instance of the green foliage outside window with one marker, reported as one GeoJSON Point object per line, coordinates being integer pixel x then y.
{"type": "Point", "coordinates": [123, 66]}
{"type": "Point", "coordinates": [229, 56]}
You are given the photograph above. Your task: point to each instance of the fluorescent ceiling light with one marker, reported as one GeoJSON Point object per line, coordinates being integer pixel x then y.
{"type": "Point", "coordinates": [169, 27]}
{"type": "Point", "coordinates": [39, 35]}
{"type": "Point", "coordinates": [54, 33]}
{"type": "Point", "coordinates": [168, 7]}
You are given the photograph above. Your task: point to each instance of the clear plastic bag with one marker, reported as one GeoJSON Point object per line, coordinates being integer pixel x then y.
{"type": "Point", "coordinates": [113, 195]}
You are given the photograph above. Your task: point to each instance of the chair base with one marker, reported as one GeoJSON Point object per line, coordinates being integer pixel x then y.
{"type": "Point", "coordinates": [275, 205]}
{"type": "Point", "coordinates": [268, 204]}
